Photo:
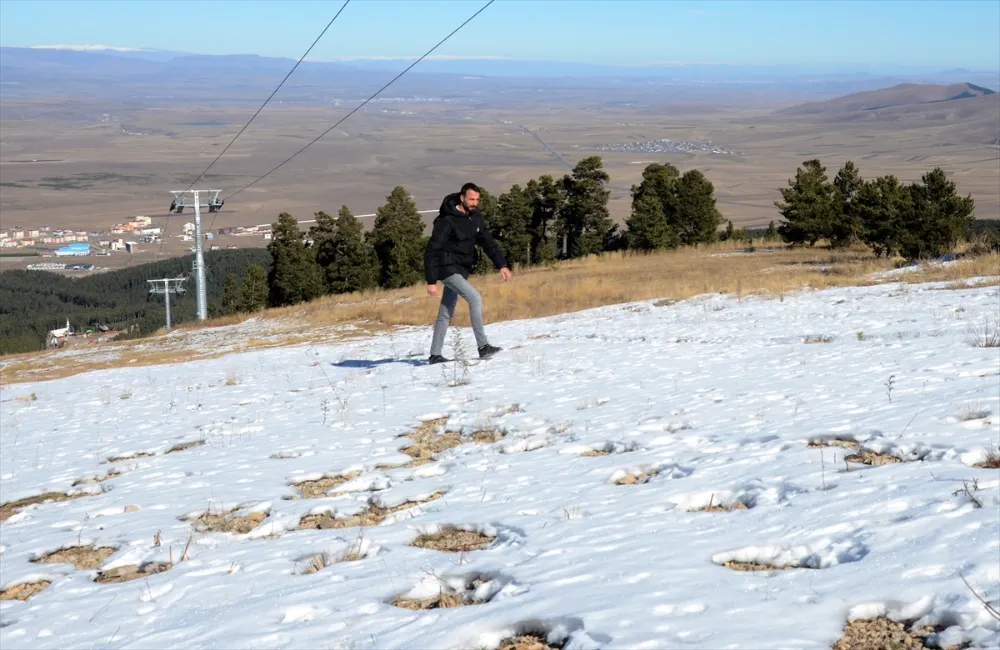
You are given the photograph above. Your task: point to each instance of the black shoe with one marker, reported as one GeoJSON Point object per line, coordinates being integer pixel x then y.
{"type": "Point", "coordinates": [488, 351]}
{"type": "Point", "coordinates": [436, 358]}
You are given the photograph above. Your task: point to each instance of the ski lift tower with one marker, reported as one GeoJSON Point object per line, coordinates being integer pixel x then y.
{"type": "Point", "coordinates": [169, 286]}
{"type": "Point", "coordinates": [214, 204]}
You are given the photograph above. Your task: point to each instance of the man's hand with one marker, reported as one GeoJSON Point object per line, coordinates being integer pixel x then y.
{"type": "Point", "coordinates": [505, 273]}
{"type": "Point", "coordinates": [432, 289]}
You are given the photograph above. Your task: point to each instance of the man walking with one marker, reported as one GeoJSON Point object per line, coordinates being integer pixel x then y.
{"type": "Point", "coordinates": [450, 257]}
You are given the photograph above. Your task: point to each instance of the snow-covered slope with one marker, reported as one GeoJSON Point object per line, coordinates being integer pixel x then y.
{"type": "Point", "coordinates": [710, 400]}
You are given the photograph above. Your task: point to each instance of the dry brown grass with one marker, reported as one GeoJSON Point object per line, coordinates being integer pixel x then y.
{"type": "Point", "coordinates": [737, 565]}
{"type": "Point", "coordinates": [318, 488]}
{"type": "Point", "coordinates": [23, 591]}
{"type": "Point", "coordinates": [8, 509]}
{"type": "Point", "coordinates": [871, 458]}
{"type": "Point", "coordinates": [528, 642]}
{"type": "Point", "coordinates": [720, 507]}
{"type": "Point", "coordinates": [429, 441]}
{"type": "Point", "coordinates": [444, 599]}
{"type": "Point", "coordinates": [184, 446]}
{"type": "Point", "coordinates": [992, 460]}
{"type": "Point", "coordinates": [535, 292]}
{"type": "Point", "coordinates": [834, 442]}
{"type": "Point", "coordinates": [82, 557]}
{"type": "Point", "coordinates": [90, 480]}
{"type": "Point", "coordinates": [372, 515]}
{"type": "Point", "coordinates": [596, 452]}
{"type": "Point", "coordinates": [453, 541]}
{"type": "Point", "coordinates": [882, 634]}
{"type": "Point", "coordinates": [637, 478]}
{"type": "Point", "coordinates": [214, 522]}
{"type": "Point", "coordinates": [118, 459]}
{"type": "Point", "coordinates": [131, 572]}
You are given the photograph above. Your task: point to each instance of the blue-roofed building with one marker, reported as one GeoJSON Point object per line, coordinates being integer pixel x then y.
{"type": "Point", "coordinates": [76, 248]}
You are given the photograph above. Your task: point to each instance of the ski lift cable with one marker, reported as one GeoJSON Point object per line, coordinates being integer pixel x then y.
{"type": "Point", "coordinates": [376, 94]}
{"type": "Point", "coordinates": [271, 96]}
{"type": "Point", "coordinates": [302, 58]}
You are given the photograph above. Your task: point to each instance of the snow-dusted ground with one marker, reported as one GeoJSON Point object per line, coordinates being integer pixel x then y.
{"type": "Point", "coordinates": [721, 397]}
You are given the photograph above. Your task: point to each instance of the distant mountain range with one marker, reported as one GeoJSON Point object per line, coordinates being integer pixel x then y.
{"type": "Point", "coordinates": [102, 72]}
{"type": "Point", "coordinates": [898, 95]}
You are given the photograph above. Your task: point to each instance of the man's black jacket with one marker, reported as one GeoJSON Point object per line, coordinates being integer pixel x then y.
{"type": "Point", "coordinates": [452, 246]}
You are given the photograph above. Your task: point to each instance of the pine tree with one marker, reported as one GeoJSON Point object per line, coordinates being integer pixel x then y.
{"type": "Point", "coordinates": [585, 223]}
{"type": "Point", "coordinates": [881, 205]}
{"type": "Point", "coordinates": [354, 266]}
{"type": "Point", "coordinates": [295, 276]}
{"type": "Point", "coordinates": [253, 295]}
{"type": "Point", "coordinates": [398, 240]}
{"type": "Point", "coordinates": [488, 207]}
{"type": "Point", "coordinates": [230, 295]}
{"type": "Point", "coordinates": [647, 228]}
{"type": "Point", "coordinates": [695, 216]}
{"type": "Point", "coordinates": [658, 188]}
{"type": "Point", "coordinates": [845, 226]}
{"type": "Point", "coordinates": [771, 233]}
{"type": "Point", "coordinates": [548, 199]}
{"type": "Point", "coordinates": [809, 205]}
{"type": "Point", "coordinates": [511, 226]}
{"type": "Point", "coordinates": [321, 234]}
{"type": "Point", "coordinates": [937, 218]}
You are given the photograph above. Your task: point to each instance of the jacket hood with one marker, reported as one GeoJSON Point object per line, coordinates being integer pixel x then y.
{"type": "Point", "coordinates": [450, 206]}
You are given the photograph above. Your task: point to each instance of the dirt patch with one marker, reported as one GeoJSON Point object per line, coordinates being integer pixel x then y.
{"type": "Point", "coordinates": [118, 459]}
{"type": "Point", "coordinates": [223, 523]}
{"type": "Point", "coordinates": [528, 642]}
{"type": "Point", "coordinates": [373, 515]}
{"type": "Point", "coordinates": [8, 509]}
{"type": "Point", "coordinates": [737, 565]}
{"type": "Point", "coordinates": [446, 599]}
{"type": "Point", "coordinates": [317, 489]}
{"type": "Point", "coordinates": [485, 436]}
{"type": "Point", "coordinates": [871, 458]}
{"type": "Point", "coordinates": [453, 541]}
{"type": "Point", "coordinates": [596, 452]}
{"type": "Point", "coordinates": [82, 557]}
{"type": "Point", "coordinates": [23, 591]}
{"type": "Point", "coordinates": [131, 572]}
{"type": "Point", "coordinates": [818, 339]}
{"type": "Point", "coordinates": [184, 446]}
{"type": "Point", "coordinates": [882, 634]}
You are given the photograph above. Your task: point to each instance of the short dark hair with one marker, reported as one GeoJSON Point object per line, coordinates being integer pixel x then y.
{"type": "Point", "coordinates": [470, 186]}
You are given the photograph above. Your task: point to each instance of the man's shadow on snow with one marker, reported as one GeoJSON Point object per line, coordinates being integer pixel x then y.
{"type": "Point", "coordinates": [373, 363]}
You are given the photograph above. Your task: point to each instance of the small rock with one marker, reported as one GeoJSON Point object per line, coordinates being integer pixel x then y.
{"type": "Point", "coordinates": [131, 508]}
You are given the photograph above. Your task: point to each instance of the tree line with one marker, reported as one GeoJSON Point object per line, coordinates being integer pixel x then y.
{"type": "Point", "coordinates": [543, 220]}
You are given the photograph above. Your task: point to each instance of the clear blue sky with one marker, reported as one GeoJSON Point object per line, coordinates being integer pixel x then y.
{"type": "Point", "coordinates": [899, 33]}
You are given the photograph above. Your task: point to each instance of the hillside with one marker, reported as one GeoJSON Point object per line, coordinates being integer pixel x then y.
{"type": "Point", "coordinates": [721, 483]}
{"type": "Point", "coordinates": [896, 96]}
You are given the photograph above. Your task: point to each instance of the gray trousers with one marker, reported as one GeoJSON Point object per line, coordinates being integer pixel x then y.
{"type": "Point", "coordinates": [455, 286]}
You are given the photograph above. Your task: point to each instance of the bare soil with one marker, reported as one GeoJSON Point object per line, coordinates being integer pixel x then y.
{"type": "Point", "coordinates": [82, 557]}
{"type": "Point", "coordinates": [596, 452]}
{"type": "Point", "coordinates": [453, 541]}
{"type": "Point", "coordinates": [23, 591]}
{"type": "Point", "coordinates": [373, 515]}
{"type": "Point", "coordinates": [8, 509]}
{"type": "Point", "coordinates": [317, 489]}
{"type": "Point", "coordinates": [444, 600]}
{"type": "Point", "coordinates": [131, 572]}
{"type": "Point", "coordinates": [117, 459]}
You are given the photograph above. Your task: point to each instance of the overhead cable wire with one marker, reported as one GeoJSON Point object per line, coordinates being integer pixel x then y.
{"type": "Point", "coordinates": [271, 96]}
{"type": "Point", "coordinates": [376, 94]}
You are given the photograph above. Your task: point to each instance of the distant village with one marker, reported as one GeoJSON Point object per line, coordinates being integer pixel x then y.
{"type": "Point", "coordinates": [136, 232]}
